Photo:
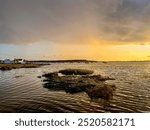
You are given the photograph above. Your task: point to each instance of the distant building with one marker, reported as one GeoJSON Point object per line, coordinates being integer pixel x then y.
{"type": "Point", "coordinates": [8, 61]}
{"type": "Point", "coordinates": [1, 61]}
{"type": "Point", "coordinates": [19, 61]}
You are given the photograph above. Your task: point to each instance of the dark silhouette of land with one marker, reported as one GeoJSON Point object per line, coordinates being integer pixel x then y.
{"type": "Point", "coordinates": [60, 61]}
{"type": "Point", "coordinates": [17, 66]}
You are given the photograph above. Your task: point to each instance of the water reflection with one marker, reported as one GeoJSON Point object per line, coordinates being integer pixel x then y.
{"type": "Point", "coordinates": [22, 91]}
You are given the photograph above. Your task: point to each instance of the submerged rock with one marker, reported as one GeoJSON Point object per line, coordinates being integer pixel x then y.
{"type": "Point", "coordinates": [93, 85]}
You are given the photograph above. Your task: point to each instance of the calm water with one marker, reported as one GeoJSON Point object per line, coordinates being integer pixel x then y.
{"type": "Point", "coordinates": [22, 91]}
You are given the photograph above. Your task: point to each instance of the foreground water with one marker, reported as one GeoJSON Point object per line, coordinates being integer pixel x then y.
{"type": "Point", "coordinates": [22, 91]}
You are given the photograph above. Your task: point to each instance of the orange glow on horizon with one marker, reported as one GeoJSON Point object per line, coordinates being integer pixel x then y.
{"type": "Point", "coordinates": [101, 51]}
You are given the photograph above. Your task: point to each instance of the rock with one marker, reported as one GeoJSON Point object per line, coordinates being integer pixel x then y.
{"type": "Point", "coordinates": [19, 76]}
{"type": "Point", "coordinates": [39, 77]}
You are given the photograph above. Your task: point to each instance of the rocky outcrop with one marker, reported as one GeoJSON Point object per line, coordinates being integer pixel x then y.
{"type": "Point", "coordinates": [94, 85]}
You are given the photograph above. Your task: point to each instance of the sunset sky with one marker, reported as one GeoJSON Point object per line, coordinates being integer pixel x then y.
{"type": "Point", "coordinates": [75, 29]}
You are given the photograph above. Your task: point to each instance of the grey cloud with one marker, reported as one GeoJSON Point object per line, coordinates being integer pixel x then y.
{"type": "Point", "coordinates": [24, 21]}
{"type": "Point", "coordinates": [38, 19]}
{"type": "Point", "coordinates": [129, 22]}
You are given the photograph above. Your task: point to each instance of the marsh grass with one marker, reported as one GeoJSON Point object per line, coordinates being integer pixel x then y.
{"type": "Point", "coordinates": [17, 66]}
{"type": "Point", "coordinates": [76, 81]}
{"type": "Point", "coordinates": [76, 72]}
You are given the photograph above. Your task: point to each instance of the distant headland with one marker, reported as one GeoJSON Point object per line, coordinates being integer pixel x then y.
{"type": "Point", "coordinates": [8, 64]}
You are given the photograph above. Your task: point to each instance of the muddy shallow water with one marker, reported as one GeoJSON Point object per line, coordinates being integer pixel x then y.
{"type": "Point", "coordinates": [22, 91]}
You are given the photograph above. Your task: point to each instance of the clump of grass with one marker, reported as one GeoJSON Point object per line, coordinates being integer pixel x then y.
{"type": "Point", "coordinates": [17, 66]}
{"type": "Point", "coordinates": [76, 72]}
{"type": "Point", "coordinates": [94, 85]}
{"type": "Point", "coordinates": [5, 68]}
{"type": "Point", "coordinates": [105, 92]}
{"type": "Point", "coordinates": [50, 75]}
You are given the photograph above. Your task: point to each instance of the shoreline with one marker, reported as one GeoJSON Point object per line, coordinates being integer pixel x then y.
{"type": "Point", "coordinates": [4, 67]}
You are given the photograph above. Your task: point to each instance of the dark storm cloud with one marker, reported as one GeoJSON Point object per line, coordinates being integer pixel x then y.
{"type": "Point", "coordinates": [29, 21]}
{"type": "Point", "coordinates": [72, 21]}
{"type": "Point", "coordinates": [128, 21]}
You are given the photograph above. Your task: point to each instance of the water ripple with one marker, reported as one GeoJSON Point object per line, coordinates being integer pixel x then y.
{"type": "Point", "coordinates": [22, 91]}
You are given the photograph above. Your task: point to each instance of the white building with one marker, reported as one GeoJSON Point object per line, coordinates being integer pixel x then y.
{"type": "Point", "coordinates": [19, 61]}
{"type": "Point", "coordinates": [8, 61]}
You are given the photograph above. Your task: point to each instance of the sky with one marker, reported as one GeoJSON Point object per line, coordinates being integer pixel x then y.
{"type": "Point", "coordinates": [107, 30]}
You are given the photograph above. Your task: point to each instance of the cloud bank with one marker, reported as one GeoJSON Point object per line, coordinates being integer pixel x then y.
{"type": "Point", "coordinates": [74, 21]}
